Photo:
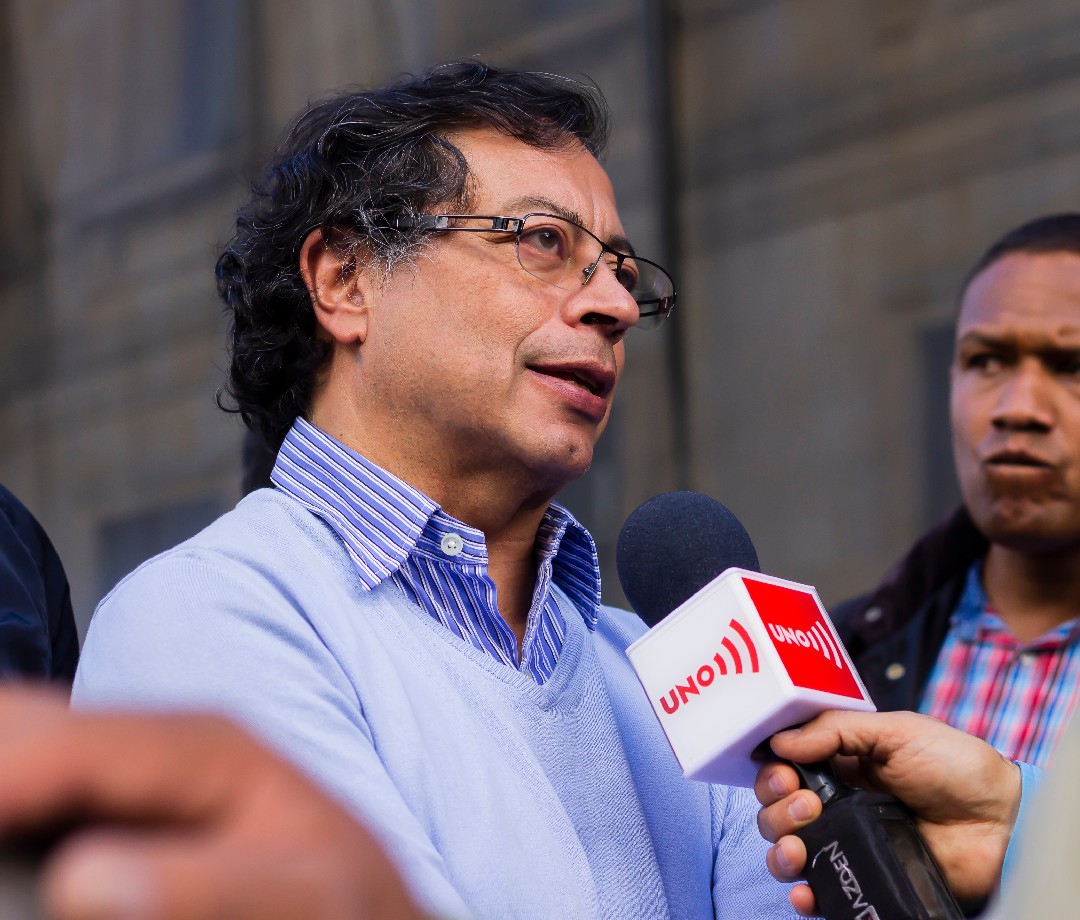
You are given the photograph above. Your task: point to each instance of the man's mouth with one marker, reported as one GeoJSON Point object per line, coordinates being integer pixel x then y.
{"type": "Point", "coordinates": [596, 379]}
{"type": "Point", "coordinates": [1017, 458]}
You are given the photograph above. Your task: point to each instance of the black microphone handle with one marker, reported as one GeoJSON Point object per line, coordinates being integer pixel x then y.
{"type": "Point", "coordinates": [865, 859]}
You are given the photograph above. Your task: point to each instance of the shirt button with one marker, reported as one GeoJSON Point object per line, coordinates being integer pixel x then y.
{"type": "Point", "coordinates": [895, 671]}
{"type": "Point", "coordinates": [451, 544]}
{"type": "Point", "coordinates": [1026, 658]}
{"type": "Point", "coordinates": [872, 615]}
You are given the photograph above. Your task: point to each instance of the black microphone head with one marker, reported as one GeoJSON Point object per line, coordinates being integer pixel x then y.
{"type": "Point", "coordinates": [674, 545]}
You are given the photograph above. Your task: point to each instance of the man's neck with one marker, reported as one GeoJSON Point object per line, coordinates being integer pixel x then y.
{"type": "Point", "coordinates": [510, 536]}
{"type": "Point", "coordinates": [1032, 593]}
{"type": "Point", "coordinates": [504, 501]}
{"type": "Point", "coordinates": [505, 512]}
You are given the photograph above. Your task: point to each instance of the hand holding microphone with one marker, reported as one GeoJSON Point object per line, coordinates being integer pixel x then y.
{"type": "Point", "coordinates": [737, 656]}
{"type": "Point", "coordinates": [963, 793]}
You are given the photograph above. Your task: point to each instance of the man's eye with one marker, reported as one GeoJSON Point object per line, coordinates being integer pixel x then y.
{"type": "Point", "coordinates": [984, 361]}
{"type": "Point", "coordinates": [546, 240]}
{"type": "Point", "coordinates": [626, 271]}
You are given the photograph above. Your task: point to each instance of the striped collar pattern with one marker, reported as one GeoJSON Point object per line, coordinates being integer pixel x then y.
{"type": "Point", "coordinates": [395, 532]}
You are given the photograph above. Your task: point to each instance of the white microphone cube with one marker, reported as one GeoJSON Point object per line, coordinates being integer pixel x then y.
{"type": "Point", "coordinates": [746, 656]}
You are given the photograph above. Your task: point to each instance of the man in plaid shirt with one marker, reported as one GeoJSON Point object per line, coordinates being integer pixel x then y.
{"type": "Point", "coordinates": [978, 625]}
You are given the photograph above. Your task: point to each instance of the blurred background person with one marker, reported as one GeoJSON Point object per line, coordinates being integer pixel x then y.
{"type": "Point", "coordinates": [978, 624]}
{"type": "Point", "coordinates": [37, 627]}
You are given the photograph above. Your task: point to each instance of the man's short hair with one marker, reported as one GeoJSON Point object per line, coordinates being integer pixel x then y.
{"type": "Point", "coordinates": [1053, 233]}
{"type": "Point", "coordinates": [347, 165]}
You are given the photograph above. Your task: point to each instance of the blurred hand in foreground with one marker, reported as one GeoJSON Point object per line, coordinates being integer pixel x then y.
{"type": "Point", "coordinates": [180, 816]}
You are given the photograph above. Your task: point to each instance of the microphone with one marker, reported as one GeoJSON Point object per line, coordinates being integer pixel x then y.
{"type": "Point", "coordinates": [669, 548]}
{"type": "Point", "coordinates": [732, 657]}
{"type": "Point", "coordinates": [742, 656]}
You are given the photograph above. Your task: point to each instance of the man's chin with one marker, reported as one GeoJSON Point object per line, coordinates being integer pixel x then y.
{"type": "Point", "coordinates": [566, 465]}
{"type": "Point", "coordinates": [558, 468]}
{"type": "Point", "coordinates": [1026, 527]}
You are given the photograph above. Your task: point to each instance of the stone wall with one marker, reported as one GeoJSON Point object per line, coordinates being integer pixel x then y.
{"type": "Point", "coordinates": [819, 175]}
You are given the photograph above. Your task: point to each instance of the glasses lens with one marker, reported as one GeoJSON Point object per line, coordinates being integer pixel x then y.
{"type": "Point", "coordinates": [546, 249]}
{"type": "Point", "coordinates": [654, 292]}
{"type": "Point", "coordinates": [564, 254]}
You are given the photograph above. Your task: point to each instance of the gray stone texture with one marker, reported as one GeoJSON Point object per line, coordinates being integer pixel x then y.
{"type": "Point", "coordinates": [819, 174]}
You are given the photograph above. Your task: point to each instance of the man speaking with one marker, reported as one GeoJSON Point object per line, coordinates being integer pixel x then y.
{"type": "Point", "coordinates": [429, 290]}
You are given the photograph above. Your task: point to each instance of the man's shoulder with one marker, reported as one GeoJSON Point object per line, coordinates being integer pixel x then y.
{"type": "Point", "coordinates": [17, 522]}
{"type": "Point", "coordinates": [267, 533]}
{"type": "Point", "coordinates": [941, 556]}
{"type": "Point", "coordinates": [265, 520]}
{"type": "Point", "coordinates": [13, 509]}
{"type": "Point", "coordinates": [621, 627]}
{"type": "Point", "coordinates": [41, 639]}
{"type": "Point", "coordinates": [29, 555]}
{"type": "Point", "coordinates": [264, 577]}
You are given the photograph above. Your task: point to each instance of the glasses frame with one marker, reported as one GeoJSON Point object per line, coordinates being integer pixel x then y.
{"type": "Point", "coordinates": [440, 223]}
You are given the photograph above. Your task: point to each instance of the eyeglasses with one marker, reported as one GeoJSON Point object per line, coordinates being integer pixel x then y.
{"type": "Point", "coordinates": [565, 254]}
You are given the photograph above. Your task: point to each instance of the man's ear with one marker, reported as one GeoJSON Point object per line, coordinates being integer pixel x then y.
{"type": "Point", "coordinates": [337, 289]}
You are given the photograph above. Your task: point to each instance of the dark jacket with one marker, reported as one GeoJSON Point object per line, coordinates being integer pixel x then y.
{"type": "Point", "coordinates": [894, 633]}
{"type": "Point", "coordinates": [37, 627]}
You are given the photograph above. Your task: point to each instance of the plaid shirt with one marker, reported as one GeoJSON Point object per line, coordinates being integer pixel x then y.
{"type": "Point", "coordinates": [394, 532]}
{"type": "Point", "coordinates": [1018, 697]}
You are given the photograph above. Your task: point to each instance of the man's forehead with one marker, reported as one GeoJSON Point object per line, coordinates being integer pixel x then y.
{"type": "Point", "coordinates": [1033, 291]}
{"type": "Point", "coordinates": [509, 175]}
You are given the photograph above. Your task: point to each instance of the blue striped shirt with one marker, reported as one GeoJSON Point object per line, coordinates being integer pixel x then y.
{"type": "Point", "coordinates": [393, 531]}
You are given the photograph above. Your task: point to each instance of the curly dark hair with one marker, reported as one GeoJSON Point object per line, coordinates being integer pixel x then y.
{"type": "Point", "coordinates": [348, 164]}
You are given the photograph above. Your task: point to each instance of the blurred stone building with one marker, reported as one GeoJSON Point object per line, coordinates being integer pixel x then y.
{"type": "Point", "coordinates": [817, 175]}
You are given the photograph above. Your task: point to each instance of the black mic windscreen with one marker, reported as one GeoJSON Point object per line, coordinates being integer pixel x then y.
{"type": "Point", "coordinates": [674, 545]}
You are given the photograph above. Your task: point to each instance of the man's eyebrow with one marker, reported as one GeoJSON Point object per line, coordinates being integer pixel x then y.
{"type": "Point", "coordinates": [532, 203]}
{"type": "Point", "coordinates": [978, 339]}
{"type": "Point", "coordinates": [981, 338]}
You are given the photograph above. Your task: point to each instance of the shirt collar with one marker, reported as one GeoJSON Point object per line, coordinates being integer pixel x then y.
{"type": "Point", "coordinates": [973, 610]}
{"type": "Point", "coordinates": [382, 520]}
{"type": "Point", "coordinates": [975, 617]}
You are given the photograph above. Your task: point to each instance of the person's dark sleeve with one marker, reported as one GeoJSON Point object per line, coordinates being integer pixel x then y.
{"type": "Point", "coordinates": [38, 637]}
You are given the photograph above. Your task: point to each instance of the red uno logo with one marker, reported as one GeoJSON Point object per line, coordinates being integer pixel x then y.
{"type": "Point", "coordinates": [803, 639]}
{"type": "Point", "coordinates": [736, 654]}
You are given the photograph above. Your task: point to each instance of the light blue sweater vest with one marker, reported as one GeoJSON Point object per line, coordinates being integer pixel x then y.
{"type": "Point", "coordinates": [498, 798]}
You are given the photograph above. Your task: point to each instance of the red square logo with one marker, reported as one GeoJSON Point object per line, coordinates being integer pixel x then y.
{"type": "Point", "coordinates": [798, 629]}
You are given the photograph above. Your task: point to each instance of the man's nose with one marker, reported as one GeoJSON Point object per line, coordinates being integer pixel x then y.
{"type": "Point", "coordinates": [601, 300]}
{"type": "Point", "coordinates": [1025, 402]}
